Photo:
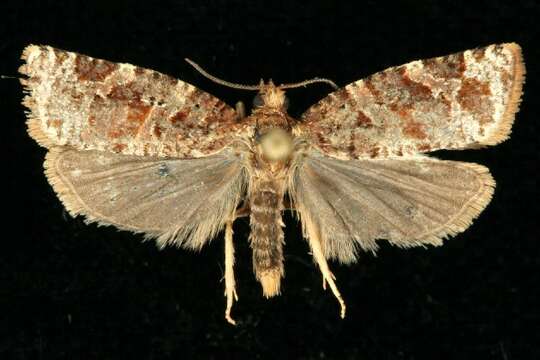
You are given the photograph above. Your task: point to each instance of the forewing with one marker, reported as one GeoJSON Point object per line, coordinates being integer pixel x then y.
{"type": "Point", "coordinates": [185, 202]}
{"type": "Point", "coordinates": [407, 202]}
{"type": "Point", "coordinates": [464, 100]}
{"type": "Point", "coordinates": [93, 104]}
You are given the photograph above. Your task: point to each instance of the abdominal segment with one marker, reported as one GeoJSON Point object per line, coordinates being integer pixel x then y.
{"type": "Point", "coordinates": [266, 238]}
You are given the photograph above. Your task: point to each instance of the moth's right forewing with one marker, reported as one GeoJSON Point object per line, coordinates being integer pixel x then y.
{"type": "Point", "coordinates": [185, 202]}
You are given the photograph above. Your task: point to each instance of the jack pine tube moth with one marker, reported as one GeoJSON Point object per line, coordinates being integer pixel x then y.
{"type": "Point", "coordinates": [151, 154]}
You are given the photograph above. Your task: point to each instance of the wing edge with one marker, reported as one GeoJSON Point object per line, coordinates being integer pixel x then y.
{"type": "Point", "coordinates": [73, 203]}
{"type": "Point", "coordinates": [460, 222]}
{"type": "Point", "coordinates": [470, 211]}
{"type": "Point", "coordinates": [503, 131]}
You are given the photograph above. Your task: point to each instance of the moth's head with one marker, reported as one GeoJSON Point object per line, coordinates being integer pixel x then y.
{"type": "Point", "coordinates": [273, 125]}
{"type": "Point", "coordinates": [270, 96]}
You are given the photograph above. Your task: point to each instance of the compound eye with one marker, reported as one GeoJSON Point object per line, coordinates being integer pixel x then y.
{"type": "Point", "coordinates": [258, 101]}
{"type": "Point", "coordinates": [286, 103]}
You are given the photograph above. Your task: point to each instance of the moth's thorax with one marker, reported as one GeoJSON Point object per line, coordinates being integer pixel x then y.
{"type": "Point", "coordinates": [275, 145]}
{"type": "Point", "coordinates": [273, 139]}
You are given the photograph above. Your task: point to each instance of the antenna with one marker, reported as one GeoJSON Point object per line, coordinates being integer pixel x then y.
{"type": "Point", "coordinates": [309, 82]}
{"type": "Point", "coordinates": [220, 81]}
{"type": "Point", "coordinates": [257, 87]}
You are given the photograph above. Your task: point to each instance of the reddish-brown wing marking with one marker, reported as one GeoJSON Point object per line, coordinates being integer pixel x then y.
{"type": "Point", "coordinates": [179, 201]}
{"type": "Point", "coordinates": [464, 100]}
{"type": "Point", "coordinates": [93, 104]}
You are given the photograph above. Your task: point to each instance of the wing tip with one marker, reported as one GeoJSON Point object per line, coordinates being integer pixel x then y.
{"type": "Point", "coordinates": [62, 190]}
{"type": "Point", "coordinates": [503, 131]}
{"type": "Point", "coordinates": [470, 211]}
{"type": "Point", "coordinates": [35, 131]}
{"type": "Point", "coordinates": [30, 53]}
{"type": "Point", "coordinates": [33, 123]}
{"type": "Point", "coordinates": [73, 203]}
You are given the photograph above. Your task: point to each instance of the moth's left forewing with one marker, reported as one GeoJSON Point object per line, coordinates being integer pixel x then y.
{"type": "Point", "coordinates": [93, 104]}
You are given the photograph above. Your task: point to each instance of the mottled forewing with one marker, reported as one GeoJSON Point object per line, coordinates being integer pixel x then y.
{"type": "Point", "coordinates": [407, 202]}
{"type": "Point", "coordinates": [464, 100]}
{"type": "Point", "coordinates": [183, 202]}
{"type": "Point", "coordinates": [93, 104]}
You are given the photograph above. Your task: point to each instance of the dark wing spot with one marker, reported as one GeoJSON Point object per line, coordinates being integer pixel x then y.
{"type": "Point", "coordinates": [374, 152]}
{"type": "Point", "coordinates": [479, 53]}
{"type": "Point", "coordinates": [117, 148]}
{"type": "Point", "coordinates": [414, 130]}
{"type": "Point", "coordinates": [88, 69]}
{"type": "Point", "coordinates": [410, 211]}
{"type": "Point", "coordinates": [127, 92]}
{"type": "Point", "coordinates": [163, 170]}
{"type": "Point", "coordinates": [157, 131]}
{"type": "Point", "coordinates": [363, 120]}
{"type": "Point", "coordinates": [60, 56]}
{"type": "Point", "coordinates": [423, 147]}
{"type": "Point", "coordinates": [452, 66]}
{"type": "Point", "coordinates": [417, 90]}
{"type": "Point", "coordinates": [471, 91]}
{"type": "Point", "coordinates": [178, 118]}
{"type": "Point", "coordinates": [370, 85]}
{"type": "Point", "coordinates": [474, 96]}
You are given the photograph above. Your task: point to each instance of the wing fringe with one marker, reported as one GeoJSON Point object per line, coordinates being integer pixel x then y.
{"type": "Point", "coordinates": [470, 211]}
{"type": "Point", "coordinates": [345, 249]}
{"type": "Point", "coordinates": [197, 230]}
{"type": "Point", "coordinates": [502, 132]}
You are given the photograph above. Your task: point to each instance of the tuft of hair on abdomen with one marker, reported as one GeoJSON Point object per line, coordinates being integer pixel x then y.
{"type": "Point", "coordinates": [266, 237]}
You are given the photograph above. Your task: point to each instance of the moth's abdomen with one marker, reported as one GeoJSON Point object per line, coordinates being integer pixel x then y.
{"type": "Point", "coordinates": [266, 238]}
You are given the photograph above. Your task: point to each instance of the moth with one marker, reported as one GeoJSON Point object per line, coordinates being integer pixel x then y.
{"type": "Point", "coordinates": [151, 154]}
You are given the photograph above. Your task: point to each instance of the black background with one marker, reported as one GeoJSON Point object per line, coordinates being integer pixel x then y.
{"type": "Point", "coordinates": [71, 291]}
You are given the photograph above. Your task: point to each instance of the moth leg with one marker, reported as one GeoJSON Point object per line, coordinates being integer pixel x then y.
{"type": "Point", "coordinates": [230, 283]}
{"type": "Point", "coordinates": [328, 277]}
{"type": "Point", "coordinates": [240, 110]}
